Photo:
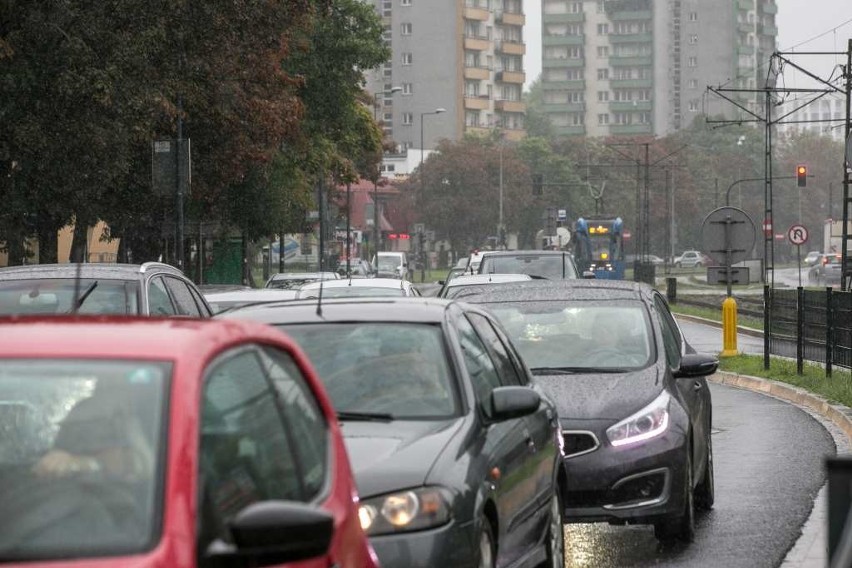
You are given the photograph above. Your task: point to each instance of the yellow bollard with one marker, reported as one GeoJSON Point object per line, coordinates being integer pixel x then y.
{"type": "Point", "coordinates": [729, 328]}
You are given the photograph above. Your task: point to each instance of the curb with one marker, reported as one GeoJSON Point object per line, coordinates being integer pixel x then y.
{"type": "Point", "coordinates": [839, 415]}
{"type": "Point", "coordinates": [740, 328]}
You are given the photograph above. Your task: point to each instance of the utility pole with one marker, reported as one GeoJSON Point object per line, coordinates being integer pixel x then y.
{"type": "Point", "coordinates": [844, 267]}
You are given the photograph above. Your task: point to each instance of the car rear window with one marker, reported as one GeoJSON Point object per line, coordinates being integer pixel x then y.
{"type": "Point", "coordinates": [549, 266]}
{"type": "Point", "coordinates": [80, 471]}
{"type": "Point", "coordinates": [390, 368]}
{"type": "Point", "coordinates": [56, 296]}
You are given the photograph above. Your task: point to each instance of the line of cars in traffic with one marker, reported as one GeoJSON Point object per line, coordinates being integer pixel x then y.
{"type": "Point", "coordinates": [474, 427]}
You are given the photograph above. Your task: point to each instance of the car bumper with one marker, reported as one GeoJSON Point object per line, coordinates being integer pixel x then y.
{"type": "Point", "coordinates": [449, 545]}
{"type": "Point", "coordinates": [637, 484]}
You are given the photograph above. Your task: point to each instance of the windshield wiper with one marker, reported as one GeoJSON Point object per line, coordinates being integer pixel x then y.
{"type": "Point", "coordinates": [364, 416]}
{"type": "Point", "coordinates": [79, 301]}
{"type": "Point", "coordinates": [575, 370]}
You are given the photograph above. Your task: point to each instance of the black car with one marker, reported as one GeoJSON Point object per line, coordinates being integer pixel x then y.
{"type": "Point", "coordinates": [633, 402]}
{"type": "Point", "coordinates": [153, 289]}
{"type": "Point", "coordinates": [542, 264]}
{"type": "Point", "coordinates": [455, 452]}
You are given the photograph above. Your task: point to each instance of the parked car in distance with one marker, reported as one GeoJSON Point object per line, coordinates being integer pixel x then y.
{"type": "Point", "coordinates": [293, 280]}
{"type": "Point", "coordinates": [221, 301]}
{"type": "Point", "coordinates": [162, 442]}
{"type": "Point", "coordinates": [150, 289]}
{"type": "Point", "coordinates": [630, 259]}
{"type": "Point", "coordinates": [391, 264]}
{"type": "Point", "coordinates": [692, 259]}
{"type": "Point", "coordinates": [355, 287]}
{"type": "Point", "coordinates": [826, 270]}
{"type": "Point", "coordinates": [478, 281]}
{"type": "Point", "coordinates": [633, 400]}
{"type": "Point", "coordinates": [358, 268]}
{"type": "Point", "coordinates": [455, 451]}
{"type": "Point", "coordinates": [811, 258]}
{"type": "Point", "coordinates": [550, 265]}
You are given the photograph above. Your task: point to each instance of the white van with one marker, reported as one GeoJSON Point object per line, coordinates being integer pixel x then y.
{"type": "Point", "coordinates": [391, 265]}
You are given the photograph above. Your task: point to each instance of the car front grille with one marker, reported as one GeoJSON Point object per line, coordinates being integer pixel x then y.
{"type": "Point", "coordinates": [579, 442]}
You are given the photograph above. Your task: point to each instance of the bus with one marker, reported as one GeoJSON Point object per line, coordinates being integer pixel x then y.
{"type": "Point", "coordinates": [599, 246]}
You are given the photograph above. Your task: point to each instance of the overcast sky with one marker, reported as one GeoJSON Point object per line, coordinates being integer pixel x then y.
{"type": "Point", "coordinates": [798, 21]}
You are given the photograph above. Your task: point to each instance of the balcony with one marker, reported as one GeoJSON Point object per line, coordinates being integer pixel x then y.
{"type": "Point", "coordinates": [477, 130]}
{"type": "Point", "coordinates": [481, 102]}
{"type": "Point", "coordinates": [630, 106]}
{"type": "Point", "coordinates": [478, 14]}
{"type": "Point", "coordinates": [631, 83]}
{"type": "Point", "coordinates": [631, 15]}
{"type": "Point", "coordinates": [564, 62]}
{"type": "Point", "coordinates": [631, 38]}
{"type": "Point", "coordinates": [745, 5]}
{"type": "Point", "coordinates": [745, 28]}
{"type": "Point", "coordinates": [476, 43]}
{"type": "Point", "coordinates": [511, 19]}
{"type": "Point", "coordinates": [769, 30]}
{"type": "Point", "coordinates": [564, 18]}
{"type": "Point", "coordinates": [510, 106]}
{"type": "Point", "coordinates": [745, 50]}
{"type": "Point", "coordinates": [574, 130]}
{"type": "Point", "coordinates": [478, 73]}
{"type": "Point", "coordinates": [630, 61]}
{"type": "Point", "coordinates": [512, 77]}
{"type": "Point", "coordinates": [630, 129]}
{"type": "Point", "coordinates": [578, 85]}
{"type": "Point", "coordinates": [514, 135]}
{"type": "Point", "coordinates": [770, 7]}
{"type": "Point", "coordinates": [563, 107]}
{"type": "Point", "coordinates": [511, 47]}
{"type": "Point", "coordinates": [563, 40]}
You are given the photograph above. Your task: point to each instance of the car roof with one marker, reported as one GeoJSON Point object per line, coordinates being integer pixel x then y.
{"type": "Point", "coordinates": [527, 253]}
{"type": "Point", "coordinates": [471, 279]}
{"type": "Point", "coordinates": [144, 338]}
{"type": "Point", "coordinates": [251, 295]}
{"type": "Point", "coordinates": [302, 275]}
{"type": "Point", "coordinates": [382, 309]}
{"type": "Point", "coordinates": [106, 271]}
{"type": "Point", "coordinates": [561, 290]}
{"type": "Point", "coordinates": [359, 282]}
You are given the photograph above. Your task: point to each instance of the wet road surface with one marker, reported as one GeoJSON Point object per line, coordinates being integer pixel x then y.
{"type": "Point", "coordinates": [708, 339]}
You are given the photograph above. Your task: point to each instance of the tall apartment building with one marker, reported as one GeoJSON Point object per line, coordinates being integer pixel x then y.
{"type": "Point", "coordinates": [464, 56]}
{"type": "Point", "coordinates": [632, 67]}
{"type": "Point", "coordinates": [811, 118]}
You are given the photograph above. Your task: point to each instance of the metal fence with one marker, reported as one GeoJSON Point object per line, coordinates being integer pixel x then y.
{"type": "Point", "coordinates": [811, 325]}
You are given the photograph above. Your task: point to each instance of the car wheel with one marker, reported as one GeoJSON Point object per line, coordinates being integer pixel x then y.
{"type": "Point", "coordinates": [555, 540]}
{"type": "Point", "coordinates": [677, 265]}
{"type": "Point", "coordinates": [705, 493]}
{"type": "Point", "coordinates": [681, 525]}
{"type": "Point", "coordinates": [698, 265]}
{"type": "Point", "coordinates": [487, 551]}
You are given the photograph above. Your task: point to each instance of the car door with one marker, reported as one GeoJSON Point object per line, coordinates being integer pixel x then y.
{"type": "Point", "coordinates": [261, 438]}
{"type": "Point", "coordinates": [537, 481]}
{"type": "Point", "coordinates": [159, 301]}
{"type": "Point", "coordinates": [504, 444]}
{"type": "Point", "coordinates": [694, 391]}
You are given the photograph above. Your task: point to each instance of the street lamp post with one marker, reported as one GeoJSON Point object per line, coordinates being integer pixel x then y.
{"type": "Point", "coordinates": [438, 110]}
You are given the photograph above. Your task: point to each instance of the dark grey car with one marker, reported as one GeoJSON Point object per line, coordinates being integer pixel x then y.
{"type": "Point", "coordinates": [634, 404]}
{"type": "Point", "coordinates": [454, 451]}
{"type": "Point", "coordinates": [550, 265]}
{"type": "Point", "coordinates": [152, 289]}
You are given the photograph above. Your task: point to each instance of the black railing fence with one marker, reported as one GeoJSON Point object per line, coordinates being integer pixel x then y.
{"type": "Point", "coordinates": [811, 325]}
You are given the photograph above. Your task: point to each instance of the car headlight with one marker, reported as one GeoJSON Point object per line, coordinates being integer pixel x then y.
{"type": "Point", "coordinates": [411, 510]}
{"type": "Point", "coordinates": [648, 423]}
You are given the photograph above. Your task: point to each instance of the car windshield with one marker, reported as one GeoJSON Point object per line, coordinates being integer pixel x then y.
{"type": "Point", "coordinates": [389, 368]}
{"type": "Point", "coordinates": [79, 457]}
{"type": "Point", "coordinates": [56, 296]}
{"type": "Point", "coordinates": [550, 266]}
{"type": "Point", "coordinates": [579, 334]}
{"type": "Point", "coordinates": [389, 263]}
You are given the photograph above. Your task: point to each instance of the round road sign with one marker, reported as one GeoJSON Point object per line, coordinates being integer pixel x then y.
{"type": "Point", "coordinates": [797, 235]}
{"type": "Point", "coordinates": [724, 227]}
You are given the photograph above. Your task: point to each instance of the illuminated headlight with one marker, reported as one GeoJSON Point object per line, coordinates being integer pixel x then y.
{"type": "Point", "coordinates": [648, 423]}
{"type": "Point", "coordinates": [411, 510]}
{"type": "Point", "coordinates": [560, 440]}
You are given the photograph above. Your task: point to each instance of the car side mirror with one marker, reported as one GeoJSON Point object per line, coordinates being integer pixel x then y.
{"type": "Point", "coordinates": [274, 532]}
{"type": "Point", "coordinates": [513, 402]}
{"type": "Point", "coordinates": [588, 274]}
{"type": "Point", "coordinates": [440, 282]}
{"type": "Point", "coordinates": [693, 365]}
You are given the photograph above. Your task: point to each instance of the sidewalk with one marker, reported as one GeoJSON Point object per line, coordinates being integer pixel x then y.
{"type": "Point", "coordinates": [810, 550]}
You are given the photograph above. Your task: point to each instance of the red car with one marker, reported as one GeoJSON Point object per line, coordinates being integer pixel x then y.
{"type": "Point", "coordinates": [169, 443]}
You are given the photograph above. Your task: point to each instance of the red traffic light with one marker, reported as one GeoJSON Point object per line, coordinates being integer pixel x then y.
{"type": "Point", "coordinates": [802, 175]}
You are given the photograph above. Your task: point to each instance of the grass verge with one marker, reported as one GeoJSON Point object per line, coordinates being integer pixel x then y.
{"type": "Point", "coordinates": [837, 388]}
{"type": "Point", "coordinates": [715, 315]}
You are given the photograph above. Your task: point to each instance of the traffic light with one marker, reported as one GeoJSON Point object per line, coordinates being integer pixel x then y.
{"type": "Point", "coordinates": [802, 175]}
{"type": "Point", "coordinates": [538, 184]}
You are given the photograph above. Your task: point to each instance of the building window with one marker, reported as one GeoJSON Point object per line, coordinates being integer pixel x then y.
{"type": "Point", "coordinates": [692, 62]}
{"type": "Point", "coordinates": [407, 118]}
{"type": "Point", "coordinates": [406, 59]}
{"type": "Point", "coordinates": [577, 118]}
{"type": "Point", "coordinates": [405, 2]}
{"type": "Point", "coordinates": [603, 96]}
{"type": "Point", "coordinates": [407, 88]}
{"type": "Point", "coordinates": [692, 84]}
{"type": "Point", "coordinates": [693, 105]}
{"type": "Point", "coordinates": [603, 29]}
{"type": "Point", "coordinates": [603, 119]}
{"type": "Point", "coordinates": [576, 7]}
{"type": "Point", "coordinates": [603, 74]}
{"type": "Point", "coordinates": [407, 28]}
{"type": "Point", "coordinates": [645, 118]}
{"type": "Point", "coordinates": [387, 117]}
{"type": "Point", "coordinates": [600, 7]}
{"type": "Point", "coordinates": [387, 72]}
{"type": "Point", "coordinates": [603, 51]}
{"type": "Point", "coordinates": [693, 39]}
{"type": "Point", "coordinates": [693, 16]}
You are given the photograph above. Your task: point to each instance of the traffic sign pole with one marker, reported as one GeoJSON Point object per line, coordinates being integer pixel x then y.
{"type": "Point", "coordinates": [798, 235]}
